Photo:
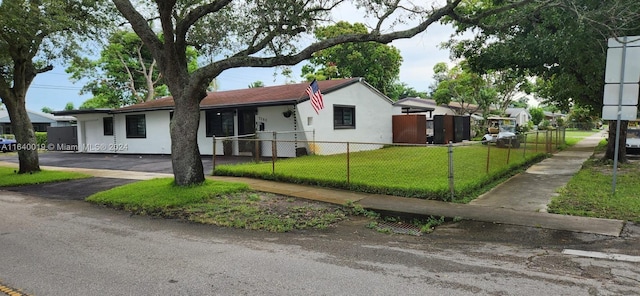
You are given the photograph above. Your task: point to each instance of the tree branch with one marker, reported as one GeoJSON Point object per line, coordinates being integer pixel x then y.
{"type": "Point", "coordinates": [242, 59]}
{"type": "Point", "coordinates": [476, 20]}
{"type": "Point", "coordinates": [183, 26]}
{"type": "Point", "coordinates": [131, 83]}
{"type": "Point", "coordinates": [139, 25]}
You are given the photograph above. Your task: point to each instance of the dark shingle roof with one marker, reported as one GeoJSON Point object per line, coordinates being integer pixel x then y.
{"type": "Point", "coordinates": [261, 96]}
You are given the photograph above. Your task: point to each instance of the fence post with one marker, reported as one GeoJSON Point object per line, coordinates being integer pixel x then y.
{"type": "Point", "coordinates": [509, 149]}
{"type": "Point", "coordinates": [537, 141]}
{"type": "Point", "coordinates": [256, 148]}
{"type": "Point", "coordinates": [275, 146]}
{"type": "Point", "coordinates": [547, 142]}
{"type": "Point", "coordinates": [488, 156]}
{"type": "Point", "coordinates": [348, 166]}
{"type": "Point", "coordinates": [273, 156]}
{"type": "Point", "coordinates": [451, 184]}
{"type": "Point", "coordinates": [524, 151]}
{"type": "Point", "coordinates": [213, 158]}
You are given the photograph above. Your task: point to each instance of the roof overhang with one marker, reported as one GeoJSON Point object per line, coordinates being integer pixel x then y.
{"type": "Point", "coordinates": [409, 107]}
{"type": "Point", "coordinates": [81, 111]}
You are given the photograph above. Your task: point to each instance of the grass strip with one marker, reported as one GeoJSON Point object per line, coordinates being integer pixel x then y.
{"type": "Point", "coordinates": [10, 177]}
{"type": "Point", "coordinates": [220, 203]}
{"type": "Point", "coordinates": [589, 192]}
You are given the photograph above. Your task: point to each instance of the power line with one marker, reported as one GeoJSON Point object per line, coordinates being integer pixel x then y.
{"type": "Point", "coordinates": [56, 87]}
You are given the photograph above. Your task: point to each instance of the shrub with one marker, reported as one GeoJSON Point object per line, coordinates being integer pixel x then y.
{"type": "Point", "coordinates": [544, 124]}
{"type": "Point", "coordinates": [41, 139]}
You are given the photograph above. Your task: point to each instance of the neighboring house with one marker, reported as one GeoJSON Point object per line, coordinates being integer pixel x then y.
{"type": "Point", "coordinates": [453, 108]}
{"type": "Point", "coordinates": [521, 115]}
{"type": "Point", "coordinates": [553, 117]}
{"type": "Point", "coordinates": [430, 104]}
{"type": "Point", "coordinates": [353, 112]}
{"type": "Point", "coordinates": [39, 120]}
{"type": "Point", "coordinates": [430, 108]}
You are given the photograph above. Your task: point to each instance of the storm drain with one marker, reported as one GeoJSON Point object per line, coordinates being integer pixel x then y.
{"type": "Point", "coordinates": [399, 228]}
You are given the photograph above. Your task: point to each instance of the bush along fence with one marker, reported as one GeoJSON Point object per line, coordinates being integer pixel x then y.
{"type": "Point", "coordinates": [454, 172]}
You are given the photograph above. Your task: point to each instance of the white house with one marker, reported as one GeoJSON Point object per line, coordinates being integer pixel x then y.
{"type": "Point", "coordinates": [521, 115]}
{"type": "Point", "coordinates": [353, 111]}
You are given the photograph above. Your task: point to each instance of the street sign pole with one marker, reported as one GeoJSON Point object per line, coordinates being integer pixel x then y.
{"type": "Point", "coordinates": [619, 114]}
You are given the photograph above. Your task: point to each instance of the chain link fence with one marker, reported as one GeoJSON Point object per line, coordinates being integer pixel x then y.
{"type": "Point", "coordinates": [441, 172]}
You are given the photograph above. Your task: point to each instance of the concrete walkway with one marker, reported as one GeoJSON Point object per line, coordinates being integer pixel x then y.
{"type": "Point", "coordinates": [521, 200]}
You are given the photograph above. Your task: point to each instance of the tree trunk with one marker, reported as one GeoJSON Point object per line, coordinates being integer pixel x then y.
{"type": "Point", "coordinates": [185, 154]}
{"type": "Point", "coordinates": [611, 148]}
{"type": "Point", "coordinates": [23, 130]}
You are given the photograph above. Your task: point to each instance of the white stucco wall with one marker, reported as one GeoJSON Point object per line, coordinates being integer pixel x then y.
{"type": "Point", "coordinates": [157, 141]}
{"type": "Point", "coordinates": [522, 118]}
{"type": "Point", "coordinates": [91, 136]}
{"type": "Point", "coordinates": [289, 134]}
{"type": "Point", "coordinates": [373, 113]}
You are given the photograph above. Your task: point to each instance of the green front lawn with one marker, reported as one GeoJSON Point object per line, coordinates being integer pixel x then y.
{"type": "Point", "coordinates": [9, 177]}
{"type": "Point", "coordinates": [589, 192]}
{"type": "Point", "coordinates": [421, 172]}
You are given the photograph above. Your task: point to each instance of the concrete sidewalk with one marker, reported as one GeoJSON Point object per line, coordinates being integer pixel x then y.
{"type": "Point", "coordinates": [520, 200]}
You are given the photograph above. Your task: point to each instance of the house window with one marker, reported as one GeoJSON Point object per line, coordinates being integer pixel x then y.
{"type": "Point", "coordinates": [107, 126]}
{"type": "Point", "coordinates": [5, 129]}
{"type": "Point", "coordinates": [40, 127]}
{"type": "Point", "coordinates": [136, 126]}
{"type": "Point", "coordinates": [344, 117]}
{"type": "Point", "coordinates": [219, 124]}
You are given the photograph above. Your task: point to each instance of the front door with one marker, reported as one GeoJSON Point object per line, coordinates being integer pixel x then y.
{"type": "Point", "coordinates": [246, 126]}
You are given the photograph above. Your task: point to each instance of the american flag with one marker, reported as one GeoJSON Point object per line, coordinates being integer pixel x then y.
{"type": "Point", "coordinates": [315, 96]}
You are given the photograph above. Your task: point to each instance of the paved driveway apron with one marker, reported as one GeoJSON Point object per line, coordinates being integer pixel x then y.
{"type": "Point", "coordinates": [80, 189]}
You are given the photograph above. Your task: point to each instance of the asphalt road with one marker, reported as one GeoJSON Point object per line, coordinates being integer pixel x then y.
{"type": "Point", "coordinates": [69, 247]}
{"type": "Point", "coordinates": [52, 243]}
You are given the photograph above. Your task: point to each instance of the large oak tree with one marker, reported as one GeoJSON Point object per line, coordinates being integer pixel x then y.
{"type": "Point", "coordinates": [564, 45]}
{"type": "Point", "coordinates": [257, 33]}
{"type": "Point", "coordinates": [34, 33]}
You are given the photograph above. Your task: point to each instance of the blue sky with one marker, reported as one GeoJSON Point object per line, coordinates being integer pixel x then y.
{"type": "Point", "coordinates": [420, 53]}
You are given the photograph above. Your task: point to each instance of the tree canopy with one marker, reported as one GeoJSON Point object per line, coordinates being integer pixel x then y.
{"type": "Point", "coordinates": [563, 45]}
{"type": "Point", "coordinates": [33, 34]}
{"type": "Point", "coordinates": [256, 84]}
{"type": "Point", "coordinates": [537, 115]}
{"type": "Point", "coordinates": [378, 63]}
{"type": "Point", "coordinates": [458, 84]}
